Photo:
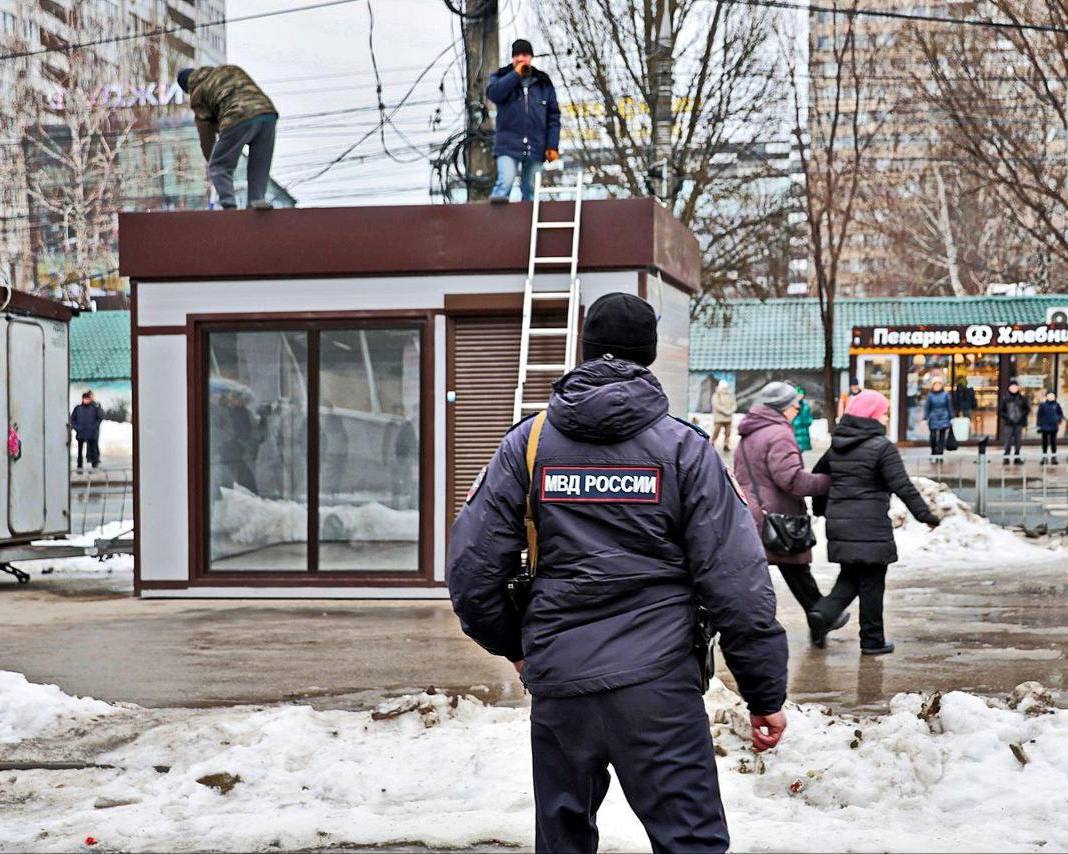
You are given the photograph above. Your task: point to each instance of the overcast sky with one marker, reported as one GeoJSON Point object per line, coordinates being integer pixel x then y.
{"type": "Point", "coordinates": [319, 61]}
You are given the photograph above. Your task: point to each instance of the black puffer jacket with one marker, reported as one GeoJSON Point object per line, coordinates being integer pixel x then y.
{"type": "Point", "coordinates": [865, 467]}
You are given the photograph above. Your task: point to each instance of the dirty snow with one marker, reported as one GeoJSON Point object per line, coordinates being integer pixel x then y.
{"type": "Point", "coordinates": [963, 541]}
{"type": "Point", "coordinates": [934, 774]}
{"type": "Point", "coordinates": [28, 710]}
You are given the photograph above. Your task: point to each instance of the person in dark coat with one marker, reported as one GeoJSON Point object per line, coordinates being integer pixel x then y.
{"type": "Point", "coordinates": [1048, 420]}
{"type": "Point", "coordinates": [85, 421]}
{"type": "Point", "coordinates": [1014, 410]}
{"type": "Point", "coordinates": [528, 122]}
{"type": "Point", "coordinates": [964, 400]}
{"type": "Point", "coordinates": [772, 473]}
{"type": "Point", "coordinates": [938, 413]}
{"type": "Point", "coordinates": [637, 522]}
{"type": "Point", "coordinates": [865, 468]}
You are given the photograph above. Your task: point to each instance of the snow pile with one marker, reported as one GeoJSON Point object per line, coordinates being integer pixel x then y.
{"type": "Point", "coordinates": [28, 710]}
{"type": "Point", "coordinates": [952, 772]}
{"type": "Point", "coordinates": [963, 540]}
{"type": "Point", "coordinates": [247, 519]}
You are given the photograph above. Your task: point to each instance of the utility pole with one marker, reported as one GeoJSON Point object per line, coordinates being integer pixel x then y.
{"type": "Point", "coordinates": [661, 83]}
{"type": "Point", "coordinates": [482, 56]}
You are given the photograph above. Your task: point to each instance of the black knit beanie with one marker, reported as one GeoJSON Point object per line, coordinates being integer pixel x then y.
{"type": "Point", "coordinates": [620, 325]}
{"type": "Point", "coordinates": [522, 46]}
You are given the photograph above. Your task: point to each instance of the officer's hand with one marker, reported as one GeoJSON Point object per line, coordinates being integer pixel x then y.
{"type": "Point", "coordinates": [767, 730]}
{"type": "Point", "coordinates": [518, 665]}
{"type": "Point", "coordinates": [551, 154]}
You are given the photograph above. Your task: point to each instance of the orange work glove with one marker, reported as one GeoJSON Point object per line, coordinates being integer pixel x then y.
{"type": "Point", "coordinates": [552, 154]}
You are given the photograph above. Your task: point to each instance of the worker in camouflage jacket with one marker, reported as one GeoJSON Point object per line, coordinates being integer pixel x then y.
{"type": "Point", "coordinates": [232, 112]}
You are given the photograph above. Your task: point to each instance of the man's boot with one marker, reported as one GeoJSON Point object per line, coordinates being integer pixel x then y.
{"type": "Point", "coordinates": [1042, 461]}
{"type": "Point", "coordinates": [261, 205]}
{"type": "Point", "coordinates": [1053, 460]}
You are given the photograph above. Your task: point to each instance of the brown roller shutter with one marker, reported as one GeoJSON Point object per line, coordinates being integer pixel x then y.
{"type": "Point", "coordinates": [483, 368]}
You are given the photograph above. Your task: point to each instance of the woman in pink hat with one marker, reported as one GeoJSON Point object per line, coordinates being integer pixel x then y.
{"type": "Point", "coordinates": [865, 467]}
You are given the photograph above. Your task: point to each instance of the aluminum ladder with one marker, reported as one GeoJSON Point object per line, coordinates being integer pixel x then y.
{"type": "Point", "coordinates": [532, 296]}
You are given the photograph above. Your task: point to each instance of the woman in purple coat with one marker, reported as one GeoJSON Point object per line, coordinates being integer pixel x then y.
{"type": "Point", "coordinates": [768, 453]}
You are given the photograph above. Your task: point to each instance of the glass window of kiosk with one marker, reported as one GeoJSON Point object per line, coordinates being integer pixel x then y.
{"type": "Point", "coordinates": [975, 391]}
{"type": "Point", "coordinates": [923, 369]}
{"type": "Point", "coordinates": [1035, 374]}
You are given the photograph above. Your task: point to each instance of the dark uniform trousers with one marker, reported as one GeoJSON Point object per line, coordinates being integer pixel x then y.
{"type": "Point", "coordinates": [656, 736]}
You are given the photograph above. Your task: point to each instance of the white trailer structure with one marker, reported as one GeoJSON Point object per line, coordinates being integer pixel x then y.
{"type": "Point", "coordinates": [315, 390]}
{"type": "Point", "coordinates": [35, 479]}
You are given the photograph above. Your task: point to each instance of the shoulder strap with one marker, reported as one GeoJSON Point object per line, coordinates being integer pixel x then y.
{"type": "Point", "coordinates": [532, 457]}
{"type": "Point", "coordinates": [752, 480]}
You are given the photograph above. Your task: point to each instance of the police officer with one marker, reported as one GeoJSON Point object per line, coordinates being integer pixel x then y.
{"type": "Point", "coordinates": [637, 521]}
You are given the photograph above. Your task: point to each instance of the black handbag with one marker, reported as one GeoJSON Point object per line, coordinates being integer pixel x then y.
{"type": "Point", "coordinates": [951, 440]}
{"type": "Point", "coordinates": [780, 533]}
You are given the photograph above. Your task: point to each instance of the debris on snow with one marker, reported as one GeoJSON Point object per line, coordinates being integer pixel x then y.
{"type": "Point", "coordinates": [223, 782]}
{"type": "Point", "coordinates": [1031, 698]}
{"type": "Point", "coordinates": [1019, 753]}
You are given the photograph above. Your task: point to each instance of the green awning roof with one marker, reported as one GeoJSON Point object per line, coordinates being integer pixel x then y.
{"type": "Point", "coordinates": [100, 346]}
{"type": "Point", "coordinates": [785, 334]}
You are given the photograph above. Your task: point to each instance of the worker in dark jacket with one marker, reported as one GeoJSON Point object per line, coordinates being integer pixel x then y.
{"type": "Point", "coordinates": [637, 521]}
{"type": "Point", "coordinates": [85, 421]}
{"type": "Point", "coordinates": [1048, 421]}
{"type": "Point", "coordinates": [865, 468]}
{"type": "Point", "coordinates": [231, 112]}
{"type": "Point", "coordinates": [1014, 409]}
{"type": "Point", "coordinates": [528, 122]}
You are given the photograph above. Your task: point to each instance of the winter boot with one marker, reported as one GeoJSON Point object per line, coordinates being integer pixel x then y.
{"type": "Point", "coordinates": [1042, 461]}
{"type": "Point", "coordinates": [1018, 461]}
{"type": "Point", "coordinates": [885, 649]}
{"type": "Point", "coordinates": [1005, 461]}
{"type": "Point", "coordinates": [261, 205]}
{"type": "Point", "coordinates": [1053, 461]}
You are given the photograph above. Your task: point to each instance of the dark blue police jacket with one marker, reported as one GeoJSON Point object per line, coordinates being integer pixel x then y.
{"type": "Point", "coordinates": [637, 520]}
{"type": "Point", "coordinates": [528, 120]}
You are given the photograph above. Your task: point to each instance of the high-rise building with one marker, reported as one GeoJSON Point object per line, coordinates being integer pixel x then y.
{"type": "Point", "coordinates": [105, 121]}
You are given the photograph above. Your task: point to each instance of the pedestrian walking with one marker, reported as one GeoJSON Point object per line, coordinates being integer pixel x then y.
{"type": "Point", "coordinates": [528, 122]}
{"type": "Point", "coordinates": [724, 406]}
{"type": "Point", "coordinates": [769, 466]}
{"type": "Point", "coordinates": [938, 413]}
{"type": "Point", "coordinates": [803, 422]}
{"type": "Point", "coordinates": [865, 468]}
{"type": "Point", "coordinates": [1014, 410]}
{"type": "Point", "coordinates": [1048, 420]}
{"type": "Point", "coordinates": [85, 421]}
{"type": "Point", "coordinates": [232, 112]}
{"type": "Point", "coordinates": [633, 521]}
{"type": "Point", "coordinates": [846, 396]}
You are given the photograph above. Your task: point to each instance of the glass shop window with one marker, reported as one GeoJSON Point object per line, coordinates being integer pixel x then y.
{"type": "Point", "coordinates": [268, 445]}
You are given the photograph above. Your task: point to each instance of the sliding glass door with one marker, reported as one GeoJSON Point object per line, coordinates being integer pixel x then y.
{"type": "Point", "coordinates": [313, 448]}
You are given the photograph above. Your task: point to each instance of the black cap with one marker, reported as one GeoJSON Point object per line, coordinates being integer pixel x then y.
{"type": "Point", "coordinates": [522, 46]}
{"type": "Point", "coordinates": [622, 326]}
{"type": "Point", "coordinates": [183, 78]}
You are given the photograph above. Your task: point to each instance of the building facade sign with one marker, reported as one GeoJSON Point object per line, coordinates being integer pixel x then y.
{"type": "Point", "coordinates": [991, 338]}
{"type": "Point", "coordinates": [119, 96]}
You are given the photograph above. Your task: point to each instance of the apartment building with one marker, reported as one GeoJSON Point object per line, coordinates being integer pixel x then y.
{"type": "Point", "coordinates": [128, 84]}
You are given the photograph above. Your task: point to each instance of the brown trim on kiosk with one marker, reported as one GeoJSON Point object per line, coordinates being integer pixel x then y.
{"type": "Point", "coordinates": [156, 330]}
{"type": "Point", "coordinates": [199, 498]}
{"type": "Point", "coordinates": [21, 302]}
{"type": "Point", "coordinates": [617, 234]}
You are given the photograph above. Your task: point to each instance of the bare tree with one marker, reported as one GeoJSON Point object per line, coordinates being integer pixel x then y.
{"type": "Point", "coordinates": [1004, 95]}
{"type": "Point", "coordinates": [611, 56]}
{"type": "Point", "coordinates": [835, 119]}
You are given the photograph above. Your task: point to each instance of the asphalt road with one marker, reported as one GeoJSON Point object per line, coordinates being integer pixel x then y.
{"type": "Point", "coordinates": [984, 631]}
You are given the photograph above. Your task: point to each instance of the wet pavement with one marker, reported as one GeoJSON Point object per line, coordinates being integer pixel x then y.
{"type": "Point", "coordinates": [984, 631]}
